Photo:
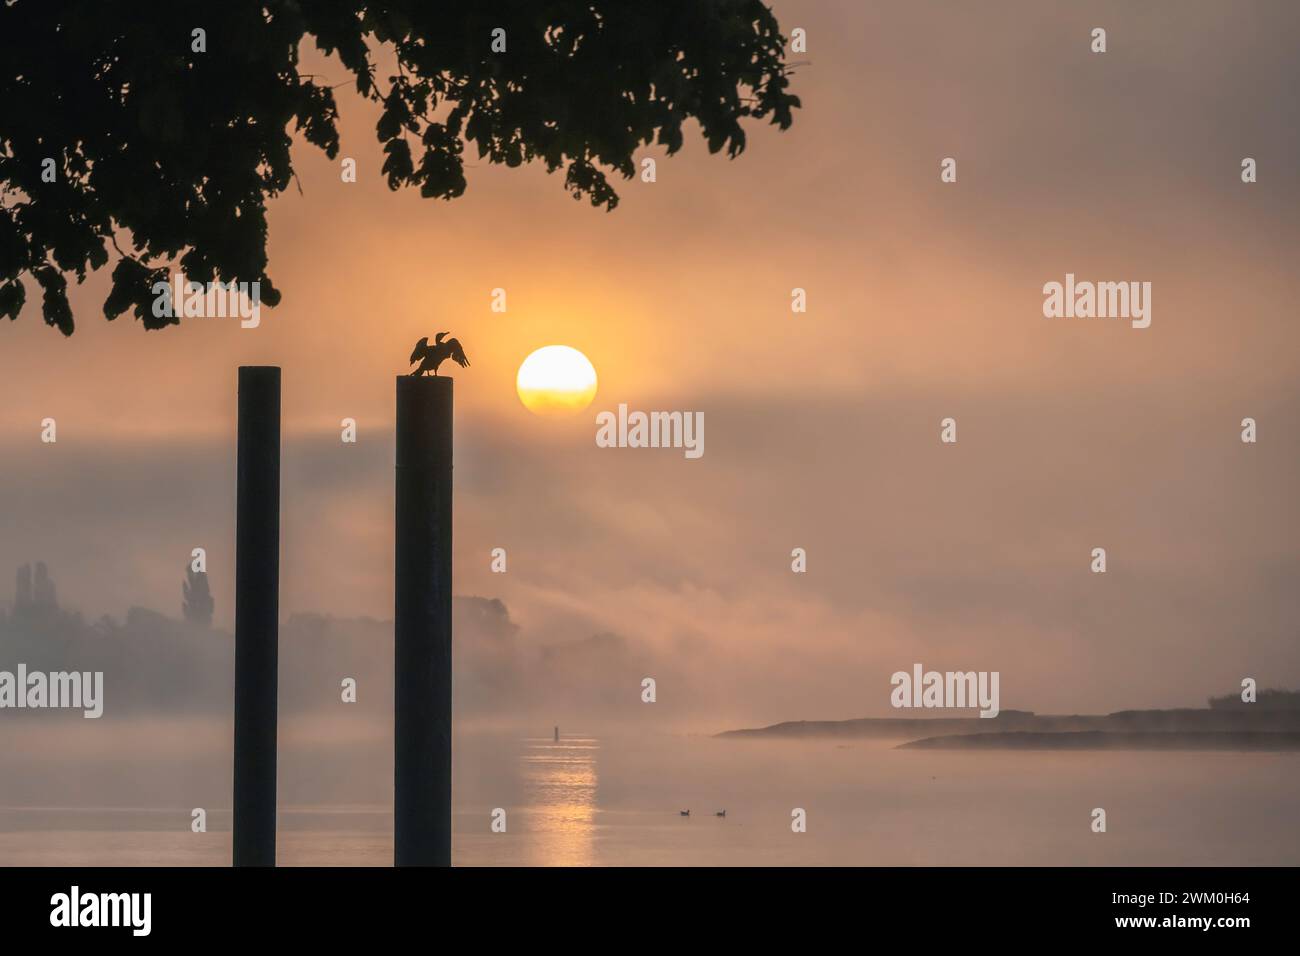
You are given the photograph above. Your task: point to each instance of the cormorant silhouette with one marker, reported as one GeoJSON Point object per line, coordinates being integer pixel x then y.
{"type": "Point", "coordinates": [431, 356]}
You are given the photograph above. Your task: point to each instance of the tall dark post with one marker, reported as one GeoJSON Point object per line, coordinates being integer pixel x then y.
{"type": "Point", "coordinates": [422, 624]}
{"type": "Point", "coordinates": [257, 610]}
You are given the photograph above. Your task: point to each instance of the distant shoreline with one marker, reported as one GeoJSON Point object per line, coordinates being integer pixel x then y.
{"type": "Point", "coordinates": [1101, 740]}
{"type": "Point", "coordinates": [1191, 729]}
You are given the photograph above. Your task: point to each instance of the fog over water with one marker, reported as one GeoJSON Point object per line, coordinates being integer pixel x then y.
{"type": "Point", "coordinates": [617, 800]}
{"type": "Point", "coordinates": [924, 302]}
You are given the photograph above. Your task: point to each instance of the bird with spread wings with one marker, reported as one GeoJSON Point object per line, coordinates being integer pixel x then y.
{"type": "Point", "coordinates": [431, 356]}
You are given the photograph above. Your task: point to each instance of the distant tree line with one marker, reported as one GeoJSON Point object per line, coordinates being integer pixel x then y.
{"type": "Point", "coordinates": [1269, 699]}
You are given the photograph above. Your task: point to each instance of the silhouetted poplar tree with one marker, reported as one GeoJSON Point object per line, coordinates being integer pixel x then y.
{"type": "Point", "coordinates": [197, 606]}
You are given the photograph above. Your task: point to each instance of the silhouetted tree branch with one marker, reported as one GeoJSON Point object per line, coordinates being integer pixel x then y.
{"type": "Point", "coordinates": [180, 150]}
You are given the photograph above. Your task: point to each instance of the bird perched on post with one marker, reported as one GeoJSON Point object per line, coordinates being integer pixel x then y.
{"type": "Point", "coordinates": [431, 356]}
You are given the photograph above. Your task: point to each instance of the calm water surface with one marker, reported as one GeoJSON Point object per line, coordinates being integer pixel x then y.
{"type": "Point", "coordinates": [613, 801]}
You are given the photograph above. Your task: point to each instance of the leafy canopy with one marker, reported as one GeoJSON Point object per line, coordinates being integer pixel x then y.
{"type": "Point", "coordinates": [166, 156]}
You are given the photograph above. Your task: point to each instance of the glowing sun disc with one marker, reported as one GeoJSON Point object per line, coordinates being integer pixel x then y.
{"type": "Point", "coordinates": [556, 380]}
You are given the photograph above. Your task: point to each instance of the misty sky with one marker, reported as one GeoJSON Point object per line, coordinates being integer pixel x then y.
{"type": "Point", "coordinates": [925, 301]}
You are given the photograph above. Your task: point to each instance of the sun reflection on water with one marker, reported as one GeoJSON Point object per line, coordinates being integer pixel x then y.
{"type": "Point", "coordinates": [560, 780]}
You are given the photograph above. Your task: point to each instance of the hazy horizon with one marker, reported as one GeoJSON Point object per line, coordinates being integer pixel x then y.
{"type": "Point", "coordinates": [925, 302]}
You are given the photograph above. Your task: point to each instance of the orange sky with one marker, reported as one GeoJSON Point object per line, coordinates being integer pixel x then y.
{"type": "Point", "coordinates": [924, 301]}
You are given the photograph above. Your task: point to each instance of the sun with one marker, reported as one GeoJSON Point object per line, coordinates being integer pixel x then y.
{"type": "Point", "coordinates": [556, 380]}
